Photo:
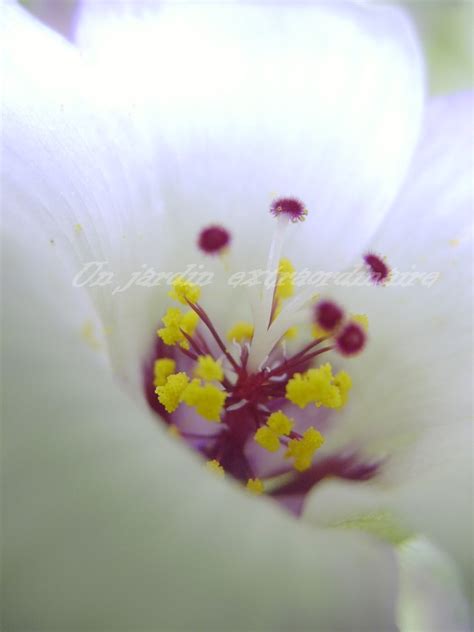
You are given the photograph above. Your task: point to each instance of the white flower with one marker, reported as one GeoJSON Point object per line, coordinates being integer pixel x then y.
{"type": "Point", "coordinates": [197, 115]}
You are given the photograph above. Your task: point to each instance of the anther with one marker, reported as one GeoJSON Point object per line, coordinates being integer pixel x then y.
{"type": "Point", "coordinates": [292, 208]}
{"type": "Point", "coordinates": [328, 315]}
{"type": "Point", "coordinates": [213, 240]}
{"type": "Point", "coordinates": [351, 340]}
{"type": "Point", "coordinates": [378, 269]}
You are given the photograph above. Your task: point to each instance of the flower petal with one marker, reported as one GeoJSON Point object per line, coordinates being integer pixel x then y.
{"type": "Point", "coordinates": [110, 524]}
{"type": "Point", "coordinates": [431, 595]}
{"type": "Point", "coordinates": [412, 386]}
{"type": "Point", "coordinates": [249, 102]}
{"type": "Point", "coordinates": [75, 168]}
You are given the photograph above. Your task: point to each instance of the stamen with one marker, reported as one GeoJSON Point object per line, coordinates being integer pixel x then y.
{"type": "Point", "coordinates": [292, 208]}
{"type": "Point", "coordinates": [351, 340]}
{"type": "Point", "coordinates": [285, 210]}
{"type": "Point", "coordinates": [247, 386]}
{"type": "Point", "coordinates": [328, 315]}
{"type": "Point", "coordinates": [215, 467]}
{"type": "Point", "coordinates": [213, 240]}
{"type": "Point", "coordinates": [255, 486]}
{"type": "Point", "coordinates": [379, 270]}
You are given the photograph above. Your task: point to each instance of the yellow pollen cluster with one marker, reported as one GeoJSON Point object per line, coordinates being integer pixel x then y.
{"type": "Point", "coordinates": [268, 436]}
{"type": "Point", "coordinates": [216, 467]}
{"type": "Point", "coordinates": [163, 368]}
{"type": "Point", "coordinates": [362, 320]}
{"type": "Point", "coordinates": [209, 369]}
{"type": "Point", "coordinates": [169, 395]}
{"type": "Point", "coordinates": [255, 486]}
{"type": "Point", "coordinates": [175, 322]}
{"type": "Point", "coordinates": [207, 399]}
{"type": "Point", "coordinates": [184, 291]}
{"type": "Point", "coordinates": [319, 332]}
{"type": "Point", "coordinates": [285, 285]}
{"type": "Point", "coordinates": [344, 383]}
{"type": "Point", "coordinates": [320, 387]}
{"type": "Point", "coordinates": [302, 450]}
{"type": "Point", "coordinates": [240, 331]}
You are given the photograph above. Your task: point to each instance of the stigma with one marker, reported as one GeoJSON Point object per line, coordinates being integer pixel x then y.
{"type": "Point", "coordinates": [237, 396]}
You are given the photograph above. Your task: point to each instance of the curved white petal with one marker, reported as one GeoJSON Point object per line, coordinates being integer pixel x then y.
{"type": "Point", "coordinates": [431, 596]}
{"type": "Point", "coordinates": [248, 102]}
{"type": "Point", "coordinates": [412, 397]}
{"type": "Point", "coordinates": [75, 168]}
{"type": "Point", "coordinates": [111, 524]}
{"type": "Point", "coordinates": [415, 371]}
{"type": "Point", "coordinates": [229, 122]}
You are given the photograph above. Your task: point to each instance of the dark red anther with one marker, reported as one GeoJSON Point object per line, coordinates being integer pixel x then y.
{"type": "Point", "coordinates": [213, 239]}
{"type": "Point", "coordinates": [328, 315]}
{"type": "Point", "coordinates": [291, 207]}
{"type": "Point", "coordinates": [351, 340]}
{"type": "Point", "coordinates": [379, 270]}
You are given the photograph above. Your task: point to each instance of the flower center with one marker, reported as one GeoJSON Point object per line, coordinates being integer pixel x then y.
{"type": "Point", "coordinates": [249, 406]}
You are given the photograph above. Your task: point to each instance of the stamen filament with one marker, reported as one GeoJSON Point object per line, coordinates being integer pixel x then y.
{"type": "Point", "coordinates": [206, 320]}
{"type": "Point", "coordinates": [264, 312]}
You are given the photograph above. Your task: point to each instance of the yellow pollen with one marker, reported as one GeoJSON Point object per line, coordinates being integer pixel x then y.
{"type": "Point", "coordinates": [292, 333]}
{"type": "Point", "coordinates": [78, 229]}
{"type": "Point", "coordinates": [315, 386]}
{"type": "Point", "coordinates": [169, 395]}
{"type": "Point", "coordinates": [344, 383]}
{"type": "Point", "coordinates": [319, 332]}
{"type": "Point", "coordinates": [88, 335]}
{"type": "Point", "coordinates": [255, 486]}
{"type": "Point", "coordinates": [362, 320]}
{"type": "Point", "coordinates": [209, 369]}
{"type": "Point", "coordinates": [207, 399]}
{"type": "Point", "coordinates": [184, 291]}
{"type": "Point", "coordinates": [285, 286]}
{"type": "Point", "coordinates": [302, 450]}
{"type": "Point", "coordinates": [278, 425]}
{"type": "Point", "coordinates": [163, 368]}
{"type": "Point", "coordinates": [174, 431]}
{"type": "Point", "coordinates": [240, 331]}
{"type": "Point", "coordinates": [267, 438]}
{"type": "Point", "coordinates": [216, 467]}
{"type": "Point", "coordinates": [175, 323]}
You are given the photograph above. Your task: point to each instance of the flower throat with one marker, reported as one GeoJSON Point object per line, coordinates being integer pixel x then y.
{"type": "Point", "coordinates": [253, 410]}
